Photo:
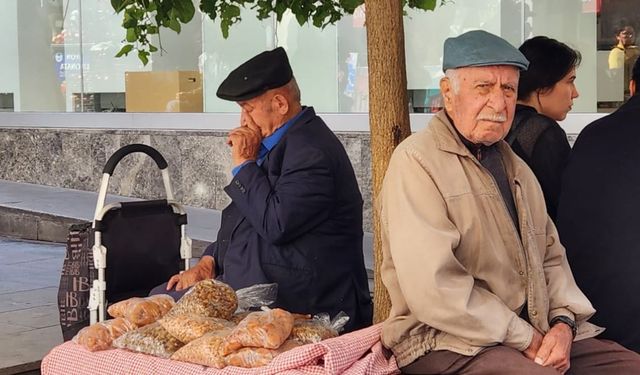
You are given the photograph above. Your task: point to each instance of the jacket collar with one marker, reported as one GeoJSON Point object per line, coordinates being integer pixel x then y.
{"type": "Point", "coordinates": [447, 137]}
{"type": "Point", "coordinates": [448, 140]}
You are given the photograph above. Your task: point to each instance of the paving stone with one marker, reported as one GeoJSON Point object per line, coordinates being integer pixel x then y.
{"type": "Point", "coordinates": [28, 346]}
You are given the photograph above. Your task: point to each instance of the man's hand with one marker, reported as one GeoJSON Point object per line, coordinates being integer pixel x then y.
{"type": "Point", "coordinates": [555, 350]}
{"type": "Point", "coordinates": [201, 271]}
{"type": "Point", "coordinates": [536, 341]}
{"type": "Point", "coordinates": [244, 140]}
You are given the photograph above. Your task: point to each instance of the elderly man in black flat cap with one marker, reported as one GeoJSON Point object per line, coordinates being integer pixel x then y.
{"type": "Point", "coordinates": [478, 279]}
{"type": "Point", "coordinates": [295, 216]}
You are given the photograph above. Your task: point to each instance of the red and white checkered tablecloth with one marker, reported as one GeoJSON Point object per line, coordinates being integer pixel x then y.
{"type": "Point", "coordinates": [358, 352]}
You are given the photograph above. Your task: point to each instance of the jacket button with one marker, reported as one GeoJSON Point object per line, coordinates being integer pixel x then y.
{"type": "Point", "coordinates": [521, 273]}
{"type": "Point", "coordinates": [534, 313]}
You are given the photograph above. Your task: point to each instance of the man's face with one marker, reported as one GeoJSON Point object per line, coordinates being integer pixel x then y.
{"type": "Point", "coordinates": [483, 105]}
{"type": "Point", "coordinates": [626, 36]}
{"type": "Point", "coordinates": [260, 110]}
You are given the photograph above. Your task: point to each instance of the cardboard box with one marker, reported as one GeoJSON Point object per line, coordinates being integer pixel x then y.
{"type": "Point", "coordinates": [168, 91]}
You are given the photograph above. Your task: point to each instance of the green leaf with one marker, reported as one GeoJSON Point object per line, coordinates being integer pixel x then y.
{"type": "Point", "coordinates": [144, 57]}
{"type": "Point", "coordinates": [124, 51]}
{"type": "Point", "coordinates": [423, 4]}
{"type": "Point", "coordinates": [302, 19]}
{"type": "Point", "coordinates": [230, 12]}
{"type": "Point", "coordinates": [224, 26]}
{"type": "Point", "coordinates": [184, 10]}
{"type": "Point", "coordinates": [174, 25]}
{"type": "Point", "coordinates": [350, 6]}
{"type": "Point", "coordinates": [119, 5]}
{"type": "Point", "coordinates": [209, 8]}
{"type": "Point", "coordinates": [152, 29]}
{"type": "Point", "coordinates": [153, 48]}
{"type": "Point", "coordinates": [131, 35]}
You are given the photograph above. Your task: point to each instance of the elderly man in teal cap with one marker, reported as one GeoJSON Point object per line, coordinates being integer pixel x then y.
{"type": "Point", "coordinates": [478, 279]}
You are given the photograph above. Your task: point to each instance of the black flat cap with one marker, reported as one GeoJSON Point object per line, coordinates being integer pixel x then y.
{"type": "Point", "coordinates": [266, 71]}
{"type": "Point", "coordinates": [480, 48]}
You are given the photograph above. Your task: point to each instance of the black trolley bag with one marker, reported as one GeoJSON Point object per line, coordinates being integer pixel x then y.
{"type": "Point", "coordinates": [135, 246]}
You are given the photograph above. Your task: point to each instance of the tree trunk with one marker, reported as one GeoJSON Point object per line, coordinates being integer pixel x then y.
{"type": "Point", "coordinates": [388, 112]}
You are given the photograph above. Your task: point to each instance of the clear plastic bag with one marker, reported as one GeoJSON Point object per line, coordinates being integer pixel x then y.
{"type": "Point", "coordinates": [239, 316]}
{"type": "Point", "coordinates": [256, 357]}
{"type": "Point", "coordinates": [94, 337]}
{"type": "Point", "coordinates": [151, 339]}
{"type": "Point", "coordinates": [142, 311]}
{"type": "Point", "coordinates": [100, 336]}
{"type": "Point", "coordinates": [264, 329]}
{"type": "Point", "coordinates": [188, 327]}
{"type": "Point", "coordinates": [204, 351]}
{"type": "Point", "coordinates": [256, 296]}
{"type": "Point", "coordinates": [210, 298]}
{"type": "Point", "coordinates": [318, 328]}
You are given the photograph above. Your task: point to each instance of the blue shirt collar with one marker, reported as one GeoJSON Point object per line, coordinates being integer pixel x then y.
{"type": "Point", "coordinates": [271, 141]}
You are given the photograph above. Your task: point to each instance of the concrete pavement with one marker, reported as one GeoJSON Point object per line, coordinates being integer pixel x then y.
{"type": "Point", "coordinates": [29, 325]}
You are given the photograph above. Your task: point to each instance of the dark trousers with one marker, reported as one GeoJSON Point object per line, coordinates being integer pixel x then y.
{"type": "Point", "coordinates": [590, 356]}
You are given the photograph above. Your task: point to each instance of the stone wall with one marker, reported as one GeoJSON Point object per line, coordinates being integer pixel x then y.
{"type": "Point", "coordinates": [199, 162]}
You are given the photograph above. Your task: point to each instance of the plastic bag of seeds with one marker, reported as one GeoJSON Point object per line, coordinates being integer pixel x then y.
{"type": "Point", "coordinates": [256, 357]}
{"type": "Point", "coordinates": [208, 298]}
{"type": "Point", "coordinates": [94, 337]}
{"type": "Point", "coordinates": [318, 328]}
{"type": "Point", "coordinates": [204, 351]}
{"type": "Point", "coordinates": [188, 327]}
{"type": "Point", "coordinates": [142, 311]}
{"type": "Point", "coordinates": [100, 336]}
{"type": "Point", "coordinates": [264, 329]}
{"type": "Point", "coordinates": [151, 339]}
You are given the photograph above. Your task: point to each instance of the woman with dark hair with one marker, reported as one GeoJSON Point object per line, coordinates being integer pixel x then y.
{"type": "Point", "coordinates": [545, 95]}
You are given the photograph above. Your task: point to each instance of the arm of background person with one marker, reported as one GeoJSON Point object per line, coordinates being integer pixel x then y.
{"type": "Point", "coordinates": [437, 287]}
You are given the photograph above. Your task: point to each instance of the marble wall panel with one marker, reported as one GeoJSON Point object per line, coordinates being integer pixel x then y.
{"type": "Point", "coordinates": [199, 162]}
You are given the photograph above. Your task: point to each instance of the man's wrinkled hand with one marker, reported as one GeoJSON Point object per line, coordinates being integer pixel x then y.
{"type": "Point", "coordinates": [536, 341]}
{"type": "Point", "coordinates": [244, 140]}
{"type": "Point", "coordinates": [555, 350]}
{"type": "Point", "coordinates": [201, 271]}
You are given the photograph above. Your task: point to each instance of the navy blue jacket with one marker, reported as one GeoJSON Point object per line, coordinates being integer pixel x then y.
{"type": "Point", "coordinates": [598, 220]}
{"type": "Point", "coordinates": [296, 220]}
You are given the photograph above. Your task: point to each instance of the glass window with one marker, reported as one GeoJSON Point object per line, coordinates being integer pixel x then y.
{"type": "Point", "coordinates": [60, 54]}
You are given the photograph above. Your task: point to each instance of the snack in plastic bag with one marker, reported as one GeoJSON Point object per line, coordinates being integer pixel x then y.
{"type": "Point", "coordinates": [99, 336]}
{"type": "Point", "coordinates": [204, 351]}
{"type": "Point", "coordinates": [264, 329]}
{"type": "Point", "coordinates": [94, 337]}
{"type": "Point", "coordinates": [164, 301]}
{"type": "Point", "coordinates": [188, 327]}
{"type": "Point", "coordinates": [142, 311]}
{"type": "Point", "coordinates": [208, 298]}
{"type": "Point", "coordinates": [311, 331]}
{"type": "Point", "coordinates": [118, 309]}
{"type": "Point", "coordinates": [118, 327]}
{"type": "Point", "coordinates": [256, 357]}
{"type": "Point", "coordinates": [151, 339]}
{"type": "Point", "coordinates": [256, 296]}
{"type": "Point", "coordinates": [238, 316]}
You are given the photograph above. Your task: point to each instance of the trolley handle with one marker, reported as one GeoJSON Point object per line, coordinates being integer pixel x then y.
{"type": "Point", "coordinates": [129, 149]}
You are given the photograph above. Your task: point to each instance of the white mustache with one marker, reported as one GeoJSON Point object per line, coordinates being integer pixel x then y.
{"type": "Point", "coordinates": [498, 117]}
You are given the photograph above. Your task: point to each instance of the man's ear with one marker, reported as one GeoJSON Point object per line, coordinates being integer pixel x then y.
{"type": "Point", "coordinates": [632, 87]}
{"type": "Point", "coordinates": [281, 104]}
{"type": "Point", "coordinates": [447, 92]}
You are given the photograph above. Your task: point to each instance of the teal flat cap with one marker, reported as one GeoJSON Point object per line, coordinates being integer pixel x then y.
{"type": "Point", "coordinates": [480, 48]}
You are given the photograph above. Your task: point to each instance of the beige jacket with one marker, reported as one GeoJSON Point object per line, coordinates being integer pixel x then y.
{"type": "Point", "coordinates": [455, 267]}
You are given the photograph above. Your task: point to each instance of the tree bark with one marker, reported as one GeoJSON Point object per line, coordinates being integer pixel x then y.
{"type": "Point", "coordinates": [388, 113]}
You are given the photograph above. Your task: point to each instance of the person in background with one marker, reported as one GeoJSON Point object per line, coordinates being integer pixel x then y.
{"type": "Point", "coordinates": [295, 217]}
{"type": "Point", "coordinates": [598, 217]}
{"type": "Point", "coordinates": [545, 95]}
{"type": "Point", "coordinates": [624, 54]}
{"type": "Point", "coordinates": [477, 277]}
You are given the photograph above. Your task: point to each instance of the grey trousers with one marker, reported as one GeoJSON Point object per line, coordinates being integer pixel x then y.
{"type": "Point", "coordinates": [590, 356]}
